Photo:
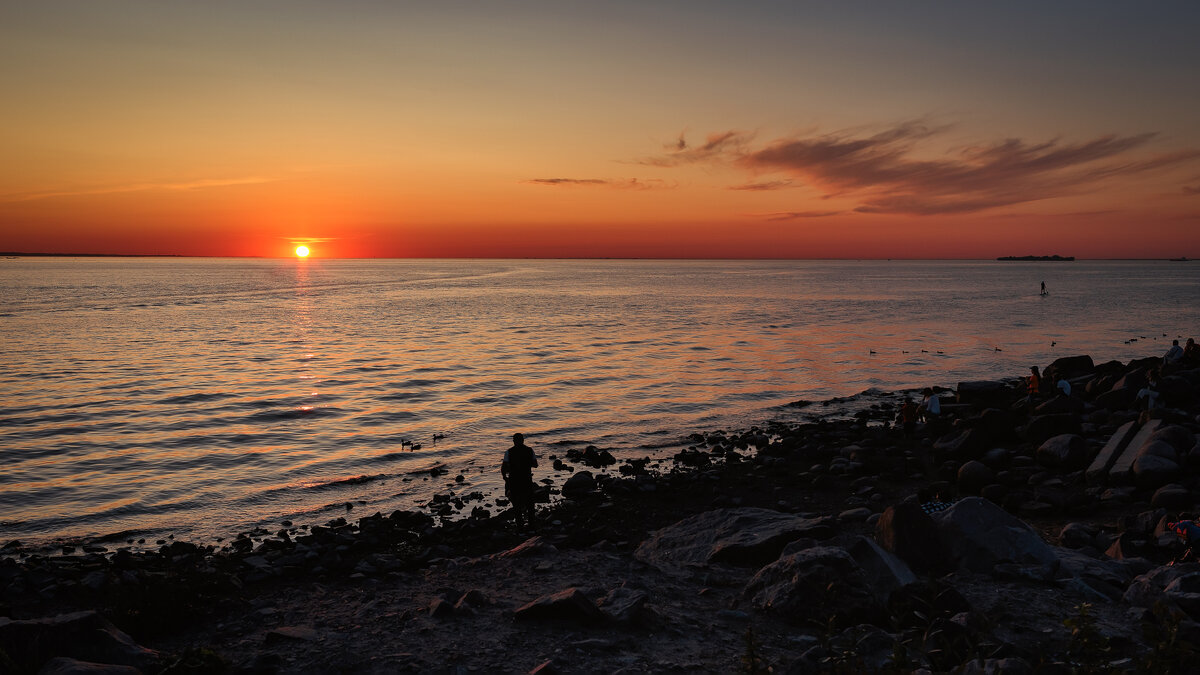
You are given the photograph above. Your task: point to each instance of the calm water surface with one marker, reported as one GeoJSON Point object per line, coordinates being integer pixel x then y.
{"type": "Point", "coordinates": [198, 397]}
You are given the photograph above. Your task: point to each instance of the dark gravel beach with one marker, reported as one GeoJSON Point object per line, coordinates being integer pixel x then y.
{"type": "Point", "coordinates": [1009, 535]}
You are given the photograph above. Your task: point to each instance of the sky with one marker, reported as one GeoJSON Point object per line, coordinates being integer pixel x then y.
{"type": "Point", "coordinates": [601, 129]}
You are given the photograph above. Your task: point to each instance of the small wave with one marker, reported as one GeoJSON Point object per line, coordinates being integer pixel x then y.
{"type": "Point", "coordinates": [194, 398]}
{"type": "Point", "coordinates": [420, 383]}
{"type": "Point", "coordinates": [341, 482]}
{"type": "Point", "coordinates": [407, 396]}
{"type": "Point", "coordinates": [302, 412]}
{"type": "Point", "coordinates": [393, 457]}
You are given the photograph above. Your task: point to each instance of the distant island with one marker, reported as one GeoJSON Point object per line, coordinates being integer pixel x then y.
{"type": "Point", "coordinates": [1051, 258]}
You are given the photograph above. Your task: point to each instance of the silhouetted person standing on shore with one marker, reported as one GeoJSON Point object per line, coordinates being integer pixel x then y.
{"type": "Point", "coordinates": [517, 469]}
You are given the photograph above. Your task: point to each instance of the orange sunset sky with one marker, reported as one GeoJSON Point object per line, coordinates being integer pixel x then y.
{"type": "Point", "coordinates": [601, 129]}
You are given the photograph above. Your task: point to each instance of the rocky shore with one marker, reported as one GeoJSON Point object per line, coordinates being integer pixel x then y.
{"type": "Point", "coordinates": [1038, 544]}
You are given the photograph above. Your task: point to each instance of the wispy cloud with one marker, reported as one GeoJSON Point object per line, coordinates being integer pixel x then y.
{"type": "Point", "coordinates": [716, 146]}
{"type": "Point", "coordinates": [797, 215]}
{"type": "Point", "coordinates": [138, 187]}
{"type": "Point", "coordinates": [1191, 189]}
{"type": "Point", "coordinates": [897, 169]}
{"type": "Point", "coordinates": [887, 172]}
{"type": "Point", "coordinates": [764, 186]}
{"type": "Point", "coordinates": [618, 184]}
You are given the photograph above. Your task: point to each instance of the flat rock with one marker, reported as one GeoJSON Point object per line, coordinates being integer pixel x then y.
{"type": "Point", "coordinates": [886, 571]}
{"type": "Point", "coordinates": [1108, 455]}
{"type": "Point", "coordinates": [533, 546]}
{"type": "Point", "coordinates": [741, 536]}
{"type": "Point", "coordinates": [624, 605]}
{"type": "Point", "coordinates": [85, 636]}
{"type": "Point", "coordinates": [566, 605]}
{"type": "Point", "coordinates": [292, 634]}
{"type": "Point", "coordinates": [62, 665]}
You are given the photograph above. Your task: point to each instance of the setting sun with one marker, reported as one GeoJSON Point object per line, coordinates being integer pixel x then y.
{"type": "Point", "coordinates": [302, 251]}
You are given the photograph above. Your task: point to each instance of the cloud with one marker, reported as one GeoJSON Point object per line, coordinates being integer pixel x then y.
{"type": "Point", "coordinates": [1191, 189]}
{"type": "Point", "coordinates": [1070, 214]}
{"type": "Point", "coordinates": [763, 186]}
{"type": "Point", "coordinates": [718, 146]}
{"type": "Point", "coordinates": [139, 187]}
{"type": "Point", "coordinates": [567, 181]}
{"type": "Point", "coordinates": [887, 172]}
{"type": "Point", "coordinates": [619, 184]}
{"type": "Point", "coordinates": [796, 215]}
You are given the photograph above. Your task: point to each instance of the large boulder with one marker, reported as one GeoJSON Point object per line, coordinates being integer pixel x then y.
{"type": "Point", "coordinates": [1178, 437]}
{"type": "Point", "coordinates": [1176, 391]}
{"type": "Point", "coordinates": [743, 536]}
{"type": "Point", "coordinates": [973, 476]}
{"type": "Point", "coordinates": [980, 535]}
{"type": "Point", "coordinates": [907, 531]}
{"type": "Point", "coordinates": [1068, 367]}
{"type": "Point", "coordinates": [1060, 405]}
{"type": "Point", "coordinates": [1065, 451]}
{"type": "Point", "coordinates": [1042, 427]}
{"type": "Point", "coordinates": [819, 582]}
{"type": "Point", "coordinates": [1117, 399]}
{"type": "Point", "coordinates": [985, 393]}
{"type": "Point", "coordinates": [1133, 380]}
{"type": "Point", "coordinates": [578, 484]}
{"type": "Point", "coordinates": [1153, 471]}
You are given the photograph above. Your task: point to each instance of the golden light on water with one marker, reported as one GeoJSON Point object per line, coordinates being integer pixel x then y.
{"type": "Point", "coordinates": [302, 251]}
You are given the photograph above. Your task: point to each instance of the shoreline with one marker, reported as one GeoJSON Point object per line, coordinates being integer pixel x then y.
{"type": "Point", "coordinates": [252, 608]}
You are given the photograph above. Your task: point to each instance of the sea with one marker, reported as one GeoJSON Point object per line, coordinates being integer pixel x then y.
{"type": "Point", "coordinates": [195, 398]}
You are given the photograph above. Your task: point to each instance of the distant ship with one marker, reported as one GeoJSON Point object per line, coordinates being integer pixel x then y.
{"type": "Point", "coordinates": [1183, 259]}
{"type": "Point", "coordinates": [1052, 258]}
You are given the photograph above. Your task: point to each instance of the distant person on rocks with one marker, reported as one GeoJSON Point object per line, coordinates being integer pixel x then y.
{"type": "Point", "coordinates": [931, 406]}
{"type": "Point", "coordinates": [1189, 532]}
{"type": "Point", "coordinates": [1191, 351]}
{"type": "Point", "coordinates": [908, 417]}
{"type": "Point", "coordinates": [1149, 393]}
{"type": "Point", "coordinates": [1063, 387]}
{"type": "Point", "coordinates": [933, 501]}
{"type": "Point", "coordinates": [1174, 354]}
{"type": "Point", "coordinates": [1034, 383]}
{"type": "Point", "coordinates": [517, 469]}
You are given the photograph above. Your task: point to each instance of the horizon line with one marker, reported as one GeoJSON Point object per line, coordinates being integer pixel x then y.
{"type": "Point", "coordinates": [25, 254]}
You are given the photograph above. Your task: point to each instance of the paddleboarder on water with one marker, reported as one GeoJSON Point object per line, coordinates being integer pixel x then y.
{"type": "Point", "coordinates": [1043, 288]}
